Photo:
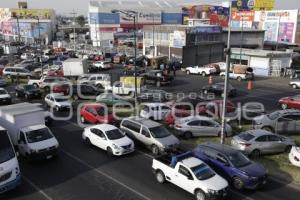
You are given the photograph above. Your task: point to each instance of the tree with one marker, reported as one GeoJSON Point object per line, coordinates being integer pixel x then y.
{"type": "Point", "coordinates": [80, 20]}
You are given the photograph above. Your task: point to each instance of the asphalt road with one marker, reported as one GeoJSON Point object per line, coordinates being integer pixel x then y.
{"type": "Point", "coordinates": [84, 172]}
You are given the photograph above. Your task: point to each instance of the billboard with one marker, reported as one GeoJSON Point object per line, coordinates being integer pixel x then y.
{"type": "Point", "coordinates": [172, 18]}
{"type": "Point", "coordinates": [253, 5]}
{"type": "Point", "coordinates": [204, 29]}
{"type": "Point", "coordinates": [242, 19]}
{"type": "Point", "coordinates": [104, 18]}
{"type": "Point", "coordinates": [4, 14]}
{"type": "Point", "coordinates": [7, 28]}
{"type": "Point", "coordinates": [31, 13]}
{"type": "Point", "coordinates": [143, 17]}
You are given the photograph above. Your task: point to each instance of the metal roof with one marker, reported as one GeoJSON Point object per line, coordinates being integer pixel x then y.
{"type": "Point", "coordinates": [19, 109]}
{"type": "Point", "coordinates": [259, 52]}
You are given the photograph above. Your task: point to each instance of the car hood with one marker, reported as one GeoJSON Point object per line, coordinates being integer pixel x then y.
{"type": "Point", "coordinates": [254, 170]}
{"type": "Point", "coordinates": [43, 144]}
{"type": "Point", "coordinates": [122, 141]}
{"type": "Point", "coordinates": [5, 96]}
{"type": "Point", "coordinates": [64, 103]}
{"type": "Point", "coordinates": [215, 183]}
{"type": "Point", "coordinates": [167, 141]}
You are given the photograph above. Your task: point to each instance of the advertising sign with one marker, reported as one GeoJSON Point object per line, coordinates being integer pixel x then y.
{"type": "Point", "coordinates": [172, 18]}
{"type": "Point", "coordinates": [179, 39]}
{"type": "Point", "coordinates": [286, 32]}
{"type": "Point", "coordinates": [4, 14]}
{"type": "Point", "coordinates": [143, 17]}
{"type": "Point", "coordinates": [271, 31]}
{"type": "Point", "coordinates": [31, 13]}
{"type": "Point", "coordinates": [264, 4]}
{"type": "Point", "coordinates": [7, 28]}
{"type": "Point", "coordinates": [243, 16]}
{"type": "Point", "coordinates": [104, 18]}
{"type": "Point", "coordinates": [253, 5]}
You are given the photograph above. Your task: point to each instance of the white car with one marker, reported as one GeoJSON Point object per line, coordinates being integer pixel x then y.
{"type": "Point", "coordinates": [239, 77]}
{"type": "Point", "coordinates": [108, 138]}
{"type": "Point", "coordinates": [201, 70]}
{"type": "Point", "coordinates": [58, 101]}
{"type": "Point", "coordinates": [102, 65]}
{"type": "Point", "coordinates": [5, 97]}
{"type": "Point", "coordinates": [195, 126]}
{"type": "Point", "coordinates": [295, 84]}
{"type": "Point", "coordinates": [155, 111]}
{"type": "Point", "coordinates": [294, 156]}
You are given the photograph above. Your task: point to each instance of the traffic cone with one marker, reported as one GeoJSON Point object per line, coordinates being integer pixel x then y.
{"type": "Point", "coordinates": [210, 80]}
{"type": "Point", "coordinates": [250, 85]}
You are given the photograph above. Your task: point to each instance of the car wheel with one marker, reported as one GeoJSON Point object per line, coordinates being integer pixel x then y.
{"type": "Point", "coordinates": [99, 86]}
{"type": "Point", "coordinates": [203, 74]}
{"type": "Point", "coordinates": [8, 76]}
{"type": "Point", "coordinates": [294, 86]}
{"type": "Point", "coordinates": [284, 106]}
{"type": "Point", "coordinates": [109, 152]}
{"type": "Point", "coordinates": [35, 85]}
{"type": "Point", "coordinates": [154, 149]}
{"type": "Point", "coordinates": [200, 195]}
{"type": "Point", "coordinates": [267, 128]}
{"type": "Point", "coordinates": [255, 153]}
{"type": "Point", "coordinates": [238, 183]}
{"type": "Point", "coordinates": [82, 119]}
{"type": "Point", "coordinates": [239, 78]}
{"type": "Point", "coordinates": [160, 177]}
{"type": "Point", "coordinates": [188, 72]}
{"type": "Point", "coordinates": [288, 148]}
{"type": "Point", "coordinates": [88, 142]}
{"type": "Point", "coordinates": [188, 135]}
{"type": "Point", "coordinates": [17, 94]}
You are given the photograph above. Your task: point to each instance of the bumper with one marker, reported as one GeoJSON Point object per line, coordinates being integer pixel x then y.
{"type": "Point", "coordinates": [11, 185]}
{"type": "Point", "coordinates": [254, 184]}
{"type": "Point", "coordinates": [123, 152]}
{"type": "Point", "coordinates": [217, 196]}
{"type": "Point", "coordinates": [5, 101]}
{"type": "Point", "coordinates": [43, 155]}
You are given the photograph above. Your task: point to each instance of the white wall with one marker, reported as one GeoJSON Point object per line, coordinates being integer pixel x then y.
{"type": "Point", "coordinates": [260, 65]}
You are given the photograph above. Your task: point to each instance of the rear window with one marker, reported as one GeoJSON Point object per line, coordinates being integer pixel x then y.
{"type": "Point", "coordinates": [246, 136]}
{"type": "Point", "coordinates": [132, 126]}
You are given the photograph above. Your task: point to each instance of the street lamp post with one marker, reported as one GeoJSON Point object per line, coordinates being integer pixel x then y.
{"type": "Point", "coordinates": [133, 15]}
{"type": "Point", "coordinates": [74, 29]}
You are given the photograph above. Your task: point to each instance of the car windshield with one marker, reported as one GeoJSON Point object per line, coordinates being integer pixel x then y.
{"type": "Point", "coordinates": [38, 135]}
{"type": "Point", "coordinates": [239, 160]}
{"type": "Point", "coordinates": [114, 134]}
{"type": "Point", "coordinates": [102, 111]}
{"type": "Point", "coordinates": [6, 149]}
{"type": "Point", "coordinates": [274, 115]}
{"type": "Point", "coordinates": [3, 92]}
{"type": "Point", "coordinates": [159, 132]}
{"type": "Point", "coordinates": [203, 172]}
{"type": "Point", "coordinates": [60, 99]}
{"type": "Point", "coordinates": [29, 87]}
{"type": "Point", "coordinates": [246, 136]}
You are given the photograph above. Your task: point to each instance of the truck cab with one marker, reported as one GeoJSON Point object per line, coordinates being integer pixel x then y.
{"type": "Point", "coordinates": [10, 176]}
{"type": "Point", "coordinates": [191, 174]}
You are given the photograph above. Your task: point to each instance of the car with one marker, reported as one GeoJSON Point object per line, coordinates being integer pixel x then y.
{"type": "Point", "coordinates": [218, 89]}
{"type": "Point", "coordinates": [2, 82]}
{"type": "Point", "coordinates": [282, 121]}
{"type": "Point", "coordinates": [108, 138]}
{"type": "Point", "coordinates": [259, 142]}
{"type": "Point", "coordinates": [153, 95]}
{"type": "Point", "coordinates": [191, 174]}
{"type": "Point", "coordinates": [150, 133]}
{"type": "Point", "coordinates": [295, 84]}
{"type": "Point", "coordinates": [99, 65]}
{"type": "Point", "coordinates": [110, 99]}
{"type": "Point", "coordinates": [132, 72]}
{"type": "Point", "coordinates": [46, 82]}
{"type": "Point", "coordinates": [99, 80]}
{"type": "Point", "coordinates": [85, 91]}
{"type": "Point", "coordinates": [27, 91]}
{"type": "Point", "coordinates": [294, 156]}
{"type": "Point", "coordinates": [26, 56]}
{"type": "Point", "coordinates": [96, 114]}
{"type": "Point", "coordinates": [5, 97]}
{"type": "Point", "coordinates": [10, 72]}
{"type": "Point", "coordinates": [195, 126]}
{"type": "Point", "coordinates": [58, 102]}
{"type": "Point", "coordinates": [204, 71]}
{"type": "Point", "coordinates": [239, 77]}
{"type": "Point", "coordinates": [157, 77]}
{"type": "Point", "coordinates": [154, 111]}
{"type": "Point", "coordinates": [292, 102]}
{"type": "Point", "coordinates": [233, 165]}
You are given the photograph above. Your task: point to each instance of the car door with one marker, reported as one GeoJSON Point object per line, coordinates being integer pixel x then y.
{"type": "Point", "coordinates": [99, 138]}
{"type": "Point", "coordinates": [183, 178]}
{"type": "Point", "coordinates": [196, 128]}
{"type": "Point", "coordinates": [22, 143]}
{"type": "Point", "coordinates": [285, 124]}
{"type": "Point", "coordinates": [209, 128]}
{"type": "Point", "coordinates": [145, 136]}
{"type": "Point", "coordinates": [262, 144]}
{"type": "Point", "coordinates": [276, 144]}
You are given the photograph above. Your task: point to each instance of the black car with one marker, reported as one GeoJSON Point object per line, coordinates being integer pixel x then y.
{"type": "Point", "coordinates": [27, 91]}
{"type": "Point", "coordinates": [157, 77]}
{"type": "Point", "coordinates": [218, 89]}
{"type": "Point", "coordinates": [131, 72]}
{"type": "Point", "coordinates": [85, 91]}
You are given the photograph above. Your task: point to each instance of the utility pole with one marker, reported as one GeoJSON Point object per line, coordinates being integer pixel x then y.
{"type": "Point", "coordinates": [228, 52]}
{"type": "Point", "coordinates": [135, 69]}
{"type": "Point", "coordinates": [278, 32]}
{"type": "Point", "coordinates": [74, 28]}
{"type": "Point", "coordinates": [39, 41]}
{"type": "Point", "coordinates": [242, 36]}
{"type": "Point", "coordinates": [153, 31]}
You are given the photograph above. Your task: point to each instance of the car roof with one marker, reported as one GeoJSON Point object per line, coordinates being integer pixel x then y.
{"type": "Point", "coordinates": [223, 148]}
{"type": "Point", "coordinates": [146, 122]}
{"type": "Point", "coordinates": [155, 104]}
{"type": "Point", "coordinates": [197, 118]}
{"type": "Point", "coordinates": [94, 105]}
{"type": "Point", "coordinates": [103, 127]}
{"type": "Point", "coordinates": [258, 132]}
{"type": "Point", "coordinates": [191, 162]}
{"type": "Point", "coordinates": [56, 95]}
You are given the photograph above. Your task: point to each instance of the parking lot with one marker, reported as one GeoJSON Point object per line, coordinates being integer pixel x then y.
{"type": "Point", "coordinates": [83, 172]}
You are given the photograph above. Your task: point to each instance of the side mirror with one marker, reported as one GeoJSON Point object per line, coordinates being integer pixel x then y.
{"type": "Point", "coordinates": [190, 177]}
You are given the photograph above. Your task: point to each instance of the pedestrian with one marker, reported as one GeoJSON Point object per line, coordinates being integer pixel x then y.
{"type": "Point", "coordinates": [174, 70]}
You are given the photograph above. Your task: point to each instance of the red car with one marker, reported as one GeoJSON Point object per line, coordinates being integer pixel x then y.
{"type": "Point", "coordinates": [290, 102]}
{"type": "Point", "coordinates": [96, 114]}
{"type": "Point", "coordinates": [61, 88]}
{"type": "Point", "coordinates": [56, 73]}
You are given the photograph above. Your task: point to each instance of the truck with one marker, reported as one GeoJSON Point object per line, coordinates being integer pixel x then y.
{"type": "Point", "coordinates": [126, 86]}
{"type": "Point", "coordinates": [239, 72]}
{"type": "Point", "coordinates": [191, 174]}
{"type": "Point", "coordinates": [74, 67]}
{"type": "Point", "coordinates": [10, 176]}
{"type": "Point", "coordinates": [25, 123]}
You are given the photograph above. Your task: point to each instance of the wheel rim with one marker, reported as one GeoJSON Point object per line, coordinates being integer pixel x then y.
{"type": "Point", "coordinates": [238, 184]}
{"type": "Point", "coordinates": [283, 106]}
{"type": "Point", "coordinates": [159, 177]}
{"type": "Point", "coordinates": [200, 196]}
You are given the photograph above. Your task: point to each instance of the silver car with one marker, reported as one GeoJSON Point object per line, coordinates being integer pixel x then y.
{"type": "Point", "coordinates": [195, 126]}
{"type": "Point", "coordinates": [282, 121]}
{"type": "Point", "coordinates": [258, 142]}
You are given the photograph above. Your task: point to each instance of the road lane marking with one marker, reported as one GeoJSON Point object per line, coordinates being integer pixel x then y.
{"type": "Point", "coordinates": [105, 175]}
{"type": "Point", "coordinates": [39, 190]}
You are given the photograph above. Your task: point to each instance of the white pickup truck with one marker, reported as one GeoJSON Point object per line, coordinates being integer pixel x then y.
{"type": "Point", "coordinates": [190, 174]}
{"type": "Point", "coordinates": [121, 88]}
{"type": "Point", "coordinates": [239, 77]}
{"type": "Point", "coordinates": [204, 71]}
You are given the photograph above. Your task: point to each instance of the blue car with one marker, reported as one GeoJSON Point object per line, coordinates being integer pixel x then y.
{"type": "Point", "coordinates": [232, 165]}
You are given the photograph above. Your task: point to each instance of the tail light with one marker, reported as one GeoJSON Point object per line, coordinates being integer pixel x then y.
{"type": "Point", "coordinates": [178, 126]}
{"type": "Point", "coordinates": [245, 144]}
{"type": "Point", "coordinates": [297, 159]}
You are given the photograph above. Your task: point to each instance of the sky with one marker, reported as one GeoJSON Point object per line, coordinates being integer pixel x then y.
{"type": "Point", "coordinates": [81, 6]}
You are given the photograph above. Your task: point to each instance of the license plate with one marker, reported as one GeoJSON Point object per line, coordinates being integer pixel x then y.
{"type": "Point", "coordinates": [48, 157]}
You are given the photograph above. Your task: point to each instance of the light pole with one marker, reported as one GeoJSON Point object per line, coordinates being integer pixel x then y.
{"type": "Point", "coordinates": [278, 32]}
{"type": "Point", "coordinates": [228, 53]}
{"type": "Point", "coordinates": [133, 15]}
{"type": "Point", "coordinates": [74, 29]}
{"type": "Point", "coordinates": [18, 26]}
{"type": "Point", "coordinates": [96, 31]}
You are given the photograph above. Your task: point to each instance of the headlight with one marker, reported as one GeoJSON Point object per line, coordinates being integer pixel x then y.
{"type": "Point", "coordinates": [212, 191]}
{"type": "Point", "coordinates": [116, 147]}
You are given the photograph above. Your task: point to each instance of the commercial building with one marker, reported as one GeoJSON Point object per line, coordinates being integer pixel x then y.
{"type": "Point", "coordinates": [264, 63]}
{"type": "Point", "coordinates": [28, 24]}
{"type": "Point", "coordinates": [103, 23]}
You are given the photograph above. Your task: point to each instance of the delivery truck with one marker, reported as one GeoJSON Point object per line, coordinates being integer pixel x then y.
{"type": "Point", "coordinates": [25, 124]}
{"type": "Point", "coordinates": [75, 67]}
{"type": "Point", "coordinates": [10, 176]}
